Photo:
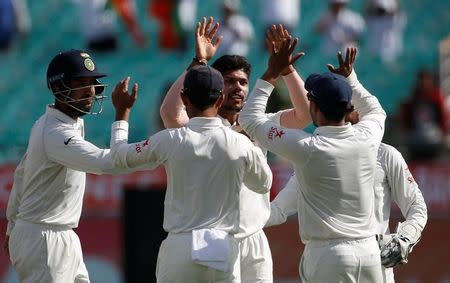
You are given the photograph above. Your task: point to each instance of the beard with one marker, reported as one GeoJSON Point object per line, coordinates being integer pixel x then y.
{"type": "Point", "coordinates": [232, 107]}
{"type": "Point", "coordinates": [83, 107]}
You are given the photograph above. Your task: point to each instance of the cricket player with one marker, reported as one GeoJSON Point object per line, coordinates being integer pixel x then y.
{"type": "Point", "coordinates": [255, 259]}
{"type": "Point", "coordinates": [47, 195]}
{"type": "Point", "coordinates": [393, 182]}
{"type": "Point", "coordinates": [206, 164]}
{"type": "Point", "coordinates": [334, 166]}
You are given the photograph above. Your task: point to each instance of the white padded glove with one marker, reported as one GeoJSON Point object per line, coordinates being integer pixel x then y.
{"type": "Point", "coordinates": [395, 248]}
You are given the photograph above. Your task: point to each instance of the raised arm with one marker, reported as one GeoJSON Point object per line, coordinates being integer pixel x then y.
{"type": "Point", "coordinates": [297, 117]}
{"type": "Point", "coordinates": [69, 148]}
{"type": "Point", "coordinates": [255, 122]}
{"type": "Point", "coordinates": [172, 110]}
{"type": "Point", "coordinates": [372, 116]}
{"type": "Point", "coordinates": [147, 154]}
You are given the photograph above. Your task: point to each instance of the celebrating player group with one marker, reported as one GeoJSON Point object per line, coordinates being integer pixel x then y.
{"type": "Point", "coordinates": [214, 153]}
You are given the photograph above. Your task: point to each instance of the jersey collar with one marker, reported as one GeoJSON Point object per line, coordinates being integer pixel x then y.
{"type": "Point", "coordinates": [335, 131]}
{"type": "Point", "coordinates": [52, 111]}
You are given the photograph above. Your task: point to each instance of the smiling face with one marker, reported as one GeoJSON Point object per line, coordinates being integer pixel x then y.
{"type": "Point", "coordinates": [235, 90]}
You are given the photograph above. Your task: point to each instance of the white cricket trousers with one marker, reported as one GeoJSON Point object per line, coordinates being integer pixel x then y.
{"type": "Point", "coordinates": [341, 261]}
{"type": "Point", "coordinates": [175, 264]}
{"type": "Point", "coordinates": [254, 264]}
{"type": "Point", "coordinates": [388, 275]}
{"type": "Point", "coordinates": [46, 253]}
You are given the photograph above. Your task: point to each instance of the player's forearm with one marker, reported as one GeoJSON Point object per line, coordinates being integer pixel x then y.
{"type": "Point", "coordinates": [285, 204]}
{"type": "Point", "coordinates": [253, 113]}
{"type": "Point", "coordinates": [299, 116]}
{"type": "Point", "coordinates": [172, 109]}
{"type": "Point", "coordinates": [119, 136]}
{"type": "Point", "coordinates": [417, 211]}
{"type": "Point", "coordinates": [277, 216]}
{"type": "Point", "coordinates": [365, 103]}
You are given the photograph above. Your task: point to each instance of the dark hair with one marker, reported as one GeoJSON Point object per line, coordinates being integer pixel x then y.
{"type": "Point", "coordinates": [228, 63]}
{"type": "Point", "coordinates": [337, 113]}
{"type": "Point", "coordinates": [202, 101]}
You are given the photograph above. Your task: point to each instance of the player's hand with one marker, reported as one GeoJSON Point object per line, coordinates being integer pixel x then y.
{"type": "Point", "coordinates": [400, 245]}
{"type": "Point", "coordinates": [6, 245]}
{"type": "Point", "coordinates": [206, 42]}
{"type": "Point", "coordinates": [345, 66]}
{"type": "Point", "coordinates": [280, 58]}
{"type": "Point", "coordinates": [122, 100]}
{"type": "Point", "coordinates": [395, 252]}
{"type": "Point", "coordinates": [275, 35]}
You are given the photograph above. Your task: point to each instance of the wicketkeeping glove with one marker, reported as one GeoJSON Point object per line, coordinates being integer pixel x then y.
{"type": "Point", "coordinates": [395, 248]}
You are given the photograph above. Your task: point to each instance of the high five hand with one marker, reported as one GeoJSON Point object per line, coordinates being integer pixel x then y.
{"type": "Point", "coordinates": [122, 100]}
{"type": "Point", "coordinates": [280, 55]}
{"type": "Point", "coordinates": [206, 42]}
{"type": "Point", "coordinates": [345, 66]}
{"type": "Point", "coordinates": [275, 35]}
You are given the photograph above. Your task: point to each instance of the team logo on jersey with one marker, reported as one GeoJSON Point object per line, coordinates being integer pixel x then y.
{"type": "Point", "coordinates": [275, 133]}
{"type": "Point", "coordinates": [89, 64]}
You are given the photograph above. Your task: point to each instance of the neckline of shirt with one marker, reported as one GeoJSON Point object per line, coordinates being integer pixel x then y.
{"type": "Point", "coordinates": [51, 110]}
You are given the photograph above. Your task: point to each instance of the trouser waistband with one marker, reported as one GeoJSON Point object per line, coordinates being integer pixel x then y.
{"type": "Point", "coordinates": [319, 243]}
{"type": "Point", "coordinates": [43, 226]}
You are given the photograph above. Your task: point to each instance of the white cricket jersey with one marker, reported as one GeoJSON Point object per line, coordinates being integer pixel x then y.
{"type": "Point", "coordinates": [254, 208]}
{"type": "Point", "coordinates": [394, 182]}
{"type": "Point", "coordinates": [50, 180]}
{"type": "Point", "coordinates": [206, 163]}
{"type": "Point", "coordinates": [335, 165]}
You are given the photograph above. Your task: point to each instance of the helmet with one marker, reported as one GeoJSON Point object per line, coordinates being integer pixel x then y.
{"type": "Point", "coordinates": [75, 64]}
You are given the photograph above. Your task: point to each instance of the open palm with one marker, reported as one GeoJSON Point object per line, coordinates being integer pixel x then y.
{"type": "Point", "coordinates": [345, 66]}
{"type": "Point", "coordinates": [206, 40]}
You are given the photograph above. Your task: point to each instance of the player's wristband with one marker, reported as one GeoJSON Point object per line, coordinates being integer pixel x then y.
{"type": "Point", "coordinates": [200, 61]}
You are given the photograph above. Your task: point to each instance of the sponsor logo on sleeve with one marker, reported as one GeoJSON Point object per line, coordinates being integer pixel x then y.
{"type": "Point", "coordinates": [139, 146]}
{"type": "Point", "coordinates": [275, 133]}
